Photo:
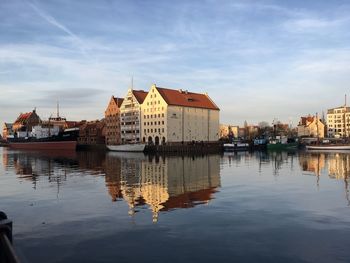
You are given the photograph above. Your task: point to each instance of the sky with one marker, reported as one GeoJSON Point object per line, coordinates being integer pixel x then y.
{"type": "Point", "coordinates": [258, 60]}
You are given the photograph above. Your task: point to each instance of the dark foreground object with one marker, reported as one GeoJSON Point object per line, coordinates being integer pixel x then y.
{"type": "Point", "coordinates": [7, 253]}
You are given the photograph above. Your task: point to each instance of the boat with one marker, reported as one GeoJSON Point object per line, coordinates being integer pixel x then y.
{"type": "Point", "coordinates": [236, 146]}
{"type": "Point", "coordinates": [66, 140]}
{"type": "Point", "coordinates": [282, 143]}
{"type": "Point", "coordinates": [331, 147]}
{"type": "Point", "coordinates": [131, 147]}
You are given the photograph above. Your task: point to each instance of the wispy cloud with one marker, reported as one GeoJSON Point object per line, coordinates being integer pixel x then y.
{"type": "Point", "coordinates": [54, 22]}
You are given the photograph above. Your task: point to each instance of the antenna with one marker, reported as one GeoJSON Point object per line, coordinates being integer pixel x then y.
{"type": "Point", "coordinates": [58, 109]}
{"type": "Point", "coordinates": [345, 100]}
{"type": "Point", "coordinates": [132, 82]}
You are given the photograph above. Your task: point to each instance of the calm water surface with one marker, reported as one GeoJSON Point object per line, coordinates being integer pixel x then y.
{"type": "Point", "coordinates": [97, 207]}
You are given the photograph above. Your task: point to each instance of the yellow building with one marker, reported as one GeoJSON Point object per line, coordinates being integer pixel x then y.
{"type": "Point", "coordinates": [311, 126]}
{"type": "Point", "coordinates": [338, 122]}
{"type": "Point", "coordinates": [175, 116]}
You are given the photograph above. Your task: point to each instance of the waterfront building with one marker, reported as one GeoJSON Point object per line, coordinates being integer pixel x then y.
{"type": "Point", "coordinates": [178, 116]}
{"type": "Point", "coordinates": [112, 119]}
{"type": "Point", "coordinates": [92, 133]}
{"type": "Point", "coordinates": [338, 121]}
{"type": "Point", "coordinates": [25, 122]}
{"type": "Point", "coordinates": [130, 116]}
{"type": "Point", "coordinates": [225, 131]}
{"type": "Point", "coordinates": [311, 126]}
{"type": "Point", "coordinates": [7, 130]}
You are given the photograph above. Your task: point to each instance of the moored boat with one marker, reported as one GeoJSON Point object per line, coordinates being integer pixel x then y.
{"type": "Point", "coordinates": [331, 147]}
{"type": "Point", "coordinates": [238, 146]}
{"type": "Point", "coordinates": [282, 143]}
{"type": "Point", "coordinates": [43, 145]}
{"type": "Point", "coordinates": [132, 147]}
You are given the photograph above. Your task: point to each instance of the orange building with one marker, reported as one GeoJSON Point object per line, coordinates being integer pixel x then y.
{"type": "Point", "coordinates": [112, 119]}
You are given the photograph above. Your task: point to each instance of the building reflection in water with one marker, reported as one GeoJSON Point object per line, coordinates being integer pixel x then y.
{"type": "Point", "coordinates": [334, 164]}
{"type": "Point", "coordinates": [161, 183]}
{"type": "Point", "coordinates": [165, 183]}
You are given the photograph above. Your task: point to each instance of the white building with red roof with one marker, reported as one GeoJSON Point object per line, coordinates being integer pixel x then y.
{"type": "Point", "coordinates": [177, 116]}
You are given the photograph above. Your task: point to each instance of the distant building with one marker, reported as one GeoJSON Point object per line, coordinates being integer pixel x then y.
{"type": "Point", "coordinates": [92, 133]}
{"type": "Point", "coordinates": [130, 111]}
{"type": "Point", "coordinates": [7, 130]}
{"type": "Point", "coordinates": [176, 116]}
{"type": "Point", "coordinates": [338, 122]}
{"type": "Point", "coordinates": [225, 130]}
{"type": "Point", "coordinates": [311, 126]}
{"type": "Point", "coordinates": [112, 119]}
{"type": "Point", "coordinates": [25, 122]}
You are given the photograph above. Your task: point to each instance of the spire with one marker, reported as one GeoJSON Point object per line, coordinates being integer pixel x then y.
{"type": "Point", "coordinates": [132, 82]}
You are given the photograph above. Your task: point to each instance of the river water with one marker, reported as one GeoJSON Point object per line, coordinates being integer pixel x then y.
{"type": "Point", "coordinates": [111, 207]}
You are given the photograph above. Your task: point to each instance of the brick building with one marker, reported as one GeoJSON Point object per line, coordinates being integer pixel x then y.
{"type": "Point", "coordinates": [92, 133]}
{"type": "Point", "coordinates": [112, 120]}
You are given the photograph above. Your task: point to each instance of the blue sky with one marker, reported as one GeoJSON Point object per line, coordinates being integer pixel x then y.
{"type": "Point", "coordinates": [258, 60]}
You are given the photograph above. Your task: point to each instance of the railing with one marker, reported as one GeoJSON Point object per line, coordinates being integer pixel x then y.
{"type": "Point", "coordinates": [7, 253]}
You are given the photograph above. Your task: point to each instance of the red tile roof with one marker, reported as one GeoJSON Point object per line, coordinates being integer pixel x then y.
{"type": "Point", "coordinates": [306, 120]}
{"type": "Point", "coordinates": [189, 199]}
{"type": "Point", "coordinates": [187, 99]}
{"type": "Point", "coordinates": [140, 95]}
{"type": "Point", "coordinates": [118, 101]}
{"type": "Point", "coordinates": [23, 117]}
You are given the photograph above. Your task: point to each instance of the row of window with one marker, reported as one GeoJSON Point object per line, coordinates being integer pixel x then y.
{"type": "Point", "coordinates": [151, 123]}
{"type": "Point", "coordinates": [153, 102]}
{"type": "Point", "coordinates": [153, 109]}
{"type": "Point", "coordinates": [155, 130]}
{"type": "Point", "coordinates": [153, 116]}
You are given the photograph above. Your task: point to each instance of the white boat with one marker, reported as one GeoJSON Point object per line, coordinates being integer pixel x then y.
{"type": "Point", "coordinates": [328, 147]}
{"type": "Point", "coordinates": [136, 147]}
{"type": "Point", "coordinates": [239, 146]}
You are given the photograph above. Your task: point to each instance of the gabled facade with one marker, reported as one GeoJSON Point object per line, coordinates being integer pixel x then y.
{"type": "Point", "coordinates": [130, 111]}
{"type": "Point", "coordinates": [178, 116]}
{"type": "Point", "coordinates": [26, 121]}
{"type": "Point", "coordinates": [310, 126]}
{"type": "Point", "coordinates": [112, 120]}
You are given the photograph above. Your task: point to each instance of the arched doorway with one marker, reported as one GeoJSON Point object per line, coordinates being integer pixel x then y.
{"type": "Point", "coordinates": [144, 139]}
{"type": "Point", "coordinates": [150, 140]}
{"type": "Point", "coordinates": [156, 140]}
{"type": "Point", "coordinates": [163, 140]}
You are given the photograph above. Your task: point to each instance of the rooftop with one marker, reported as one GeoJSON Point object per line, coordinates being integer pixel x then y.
{"type": "Point", "coordinates": [187, 99]}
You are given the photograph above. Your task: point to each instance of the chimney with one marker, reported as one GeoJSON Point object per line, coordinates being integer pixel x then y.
{"type": "Point", "coordinates": [180, 90]}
